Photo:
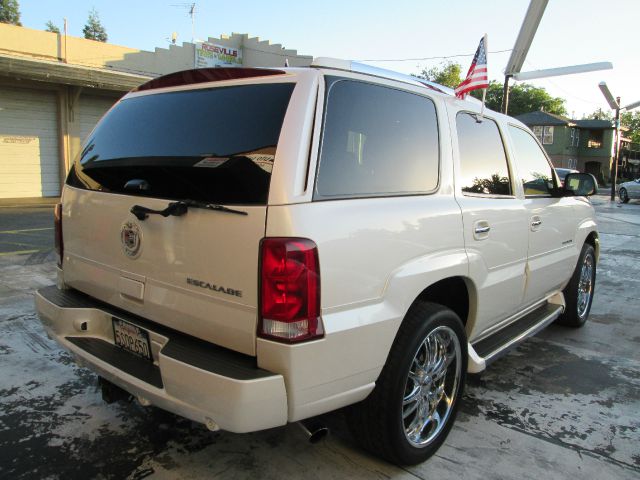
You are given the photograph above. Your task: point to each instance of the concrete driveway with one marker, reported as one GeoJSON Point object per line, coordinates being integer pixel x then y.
{"type": "Point", "coordinates": [566, 404]}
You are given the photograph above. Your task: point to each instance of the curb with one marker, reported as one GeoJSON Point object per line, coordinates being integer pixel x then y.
{"type": "Point", "coordinates": [29, 202]}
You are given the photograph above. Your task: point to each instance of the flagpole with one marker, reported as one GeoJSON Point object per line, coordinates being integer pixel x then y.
{"type": "Point", "coordinates": [484, 90]}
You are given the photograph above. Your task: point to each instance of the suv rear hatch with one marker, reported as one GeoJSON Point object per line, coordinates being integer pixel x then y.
{"type": "Point", "coordinates": [194, 270]}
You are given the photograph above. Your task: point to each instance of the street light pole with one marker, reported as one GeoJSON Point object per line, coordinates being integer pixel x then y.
{"type": "Point", "coordinates": [614, 103]}
{"type": "Point", "coordinates": [616, 150]}
{"type": "Point", "coordinates": [505, 95]}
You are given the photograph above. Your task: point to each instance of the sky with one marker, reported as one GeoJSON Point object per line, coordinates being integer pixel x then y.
{"type": "Point", "coordinates": [405, 34]}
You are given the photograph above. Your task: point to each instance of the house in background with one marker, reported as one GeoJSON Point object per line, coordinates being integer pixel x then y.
{"type": "Point", "coordinates": [54, 88]}
{"type": "Point", "coordinates": [586, 145]}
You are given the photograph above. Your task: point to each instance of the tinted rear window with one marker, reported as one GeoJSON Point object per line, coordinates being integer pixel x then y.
{"type": "Point", "coordinates": [215, 145]}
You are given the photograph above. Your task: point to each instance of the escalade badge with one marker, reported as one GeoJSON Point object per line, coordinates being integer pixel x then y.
{"type": "Point", "coordinates": [131, 238]}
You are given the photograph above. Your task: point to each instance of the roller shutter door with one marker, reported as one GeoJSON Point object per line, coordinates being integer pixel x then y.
{"type": "Point", "coordinates": [92, 108]}
{"type": "Point", "coordinates": [29, 154]}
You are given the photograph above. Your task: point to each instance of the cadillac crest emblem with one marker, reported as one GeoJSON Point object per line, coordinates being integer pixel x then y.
{"type": "Point", "coordinates": [131, 238]}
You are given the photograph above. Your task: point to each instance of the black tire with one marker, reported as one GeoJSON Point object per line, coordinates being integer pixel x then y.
{"type": "Point", "coordinates": [577, 310]}
{"type": "Point", "coordinates": [377, 423]}
{"type": "Point", "coordinates": [624, 196]}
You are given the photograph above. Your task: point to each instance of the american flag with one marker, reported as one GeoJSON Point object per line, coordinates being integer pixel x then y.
{"type": "Point", "coordinates": [477, 75]}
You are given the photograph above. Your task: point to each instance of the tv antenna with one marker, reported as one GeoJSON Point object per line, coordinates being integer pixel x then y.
{"type": "Point", "coordinates": [191, 11]}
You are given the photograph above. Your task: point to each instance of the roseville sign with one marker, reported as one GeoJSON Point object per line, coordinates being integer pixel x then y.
{"type": "Point", "coordinates": [211, 55]}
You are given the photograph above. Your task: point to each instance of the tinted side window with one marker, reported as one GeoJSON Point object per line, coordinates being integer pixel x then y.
{"type": "Point", "coordinates": [483, 163]}
{"type": "Point", "coordinates": [376, 141]}
{"type": "Point", "coordinates": [534, 169]}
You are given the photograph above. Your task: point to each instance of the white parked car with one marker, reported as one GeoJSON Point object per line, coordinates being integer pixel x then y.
{"type": "Point", "coordinates": [252, 247]}
{"type": "Point", "coordinates": [629, 190]}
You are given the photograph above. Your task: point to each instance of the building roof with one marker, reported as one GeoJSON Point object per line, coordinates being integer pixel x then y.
{"type": "Point", "coordinates": [545, 118]}
{"type": "Point", "coordinates": [594, 124]}
{"type": "Point", "coordinates": [551, 119]}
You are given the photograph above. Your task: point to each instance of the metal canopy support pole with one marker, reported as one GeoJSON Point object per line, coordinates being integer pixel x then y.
{"type": "Point", "coordinates": [616, 150]}
{"type": "Point", "coordinates": [505, 94]}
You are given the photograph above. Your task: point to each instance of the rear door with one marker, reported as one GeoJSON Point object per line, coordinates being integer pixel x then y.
{"type": "Point", "coordinates": [196, 272]}
{"type": "Point", "coordinates": [494, 219]}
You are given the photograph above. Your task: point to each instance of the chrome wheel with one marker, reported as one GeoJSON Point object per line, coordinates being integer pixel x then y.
{"type": "Point", "coordinates": [585, 285]}
{"type": "Point", "coordinates": [431, 386]}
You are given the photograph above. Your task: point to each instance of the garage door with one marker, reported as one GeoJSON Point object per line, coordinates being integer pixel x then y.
{"type": "Point", "coordinates": [29, 155]}
{"type": "Point", "coordinates": [92, 108]}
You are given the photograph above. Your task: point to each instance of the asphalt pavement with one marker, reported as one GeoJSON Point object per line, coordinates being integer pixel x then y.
{"type": "Point", "coordinates": [25, 229]}
{"type": "Point", "coordinates": [564, 405]}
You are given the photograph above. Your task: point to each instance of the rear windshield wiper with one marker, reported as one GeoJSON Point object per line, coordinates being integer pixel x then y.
{"type": "Point", "coordinates": [180, 208]}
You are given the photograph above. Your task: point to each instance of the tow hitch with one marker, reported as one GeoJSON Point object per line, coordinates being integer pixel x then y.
{"type": "Point", "coordinates": [112, 393]}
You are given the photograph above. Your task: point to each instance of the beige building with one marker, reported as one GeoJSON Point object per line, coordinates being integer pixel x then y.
{"type": "Point", "coordinates": [54, 88]}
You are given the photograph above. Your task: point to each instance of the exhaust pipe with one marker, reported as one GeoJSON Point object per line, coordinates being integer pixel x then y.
{"type": "Point", "coordinates": [314, 430]}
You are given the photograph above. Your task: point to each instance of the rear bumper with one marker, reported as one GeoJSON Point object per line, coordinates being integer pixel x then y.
{"type": "Point", "coordinates": [189, 377]}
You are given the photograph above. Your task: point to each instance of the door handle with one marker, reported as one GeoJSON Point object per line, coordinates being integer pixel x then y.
{"type": "Point", "coordinates": [481, 230]}
{"type": "Point", "coordinates": [536, 223]}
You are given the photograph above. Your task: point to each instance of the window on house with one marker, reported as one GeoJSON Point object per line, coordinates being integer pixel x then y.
{"type": "Point", "coordinates": [575, 137]}
{"type": "Point", "coordinates": [537, 131]}
{"type": "Point", "coordinates": [544, 134]}
{"type": "Point", "coordinates": [594, 139]}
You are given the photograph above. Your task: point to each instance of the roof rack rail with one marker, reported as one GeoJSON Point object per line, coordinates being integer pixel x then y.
{"type": "Point", "coordinates": [357, 67]}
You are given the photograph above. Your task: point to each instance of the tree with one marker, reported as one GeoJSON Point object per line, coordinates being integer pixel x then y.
{"type": "Point", "coordinates": [447, 74]}
{"type": "Point", "coordinates": [10, 12]}
{"type": "Point", "coordinates": [523, 98]}
{"type": "Point", "coordinates": [94, 30]}
{"type": "Point", "coordinates": [51, 27]}
{"type": "Point", "coordinates": [599, 114]}
{"type": "Point", "coordinates": [628, 120]}
{"type": "Point", "coordinates": [631, 120]}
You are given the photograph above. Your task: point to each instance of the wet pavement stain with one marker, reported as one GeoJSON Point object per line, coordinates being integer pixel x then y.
{"type": "Point", "coordinates": [53, 423]}
{"type": "Point", "coordinates": [36, 440]}
{"type": "Point", "coordinates": [582, 403]}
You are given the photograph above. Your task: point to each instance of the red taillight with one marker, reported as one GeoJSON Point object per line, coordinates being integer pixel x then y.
{"type": "Point", "coordinates": [57, 223]}
{"type": "Point", "coordinates": [289, 290]}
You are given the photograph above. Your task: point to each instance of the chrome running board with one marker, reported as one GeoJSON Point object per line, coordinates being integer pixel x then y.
{"type": "Point", "coordinates": [499, 343]}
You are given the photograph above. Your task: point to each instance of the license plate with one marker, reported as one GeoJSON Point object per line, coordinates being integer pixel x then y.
{"type": "Point", "coordinates": [131, 338]}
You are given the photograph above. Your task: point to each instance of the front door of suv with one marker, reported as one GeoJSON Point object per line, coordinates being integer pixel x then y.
{"type": "Point", "coordinates": [552, 225]}
{"type": "Point", "coordinates": [494, 220]}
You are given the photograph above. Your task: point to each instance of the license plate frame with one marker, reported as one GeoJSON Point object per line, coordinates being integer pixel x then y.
{"type": "Point", "coordinates": [131, 338]}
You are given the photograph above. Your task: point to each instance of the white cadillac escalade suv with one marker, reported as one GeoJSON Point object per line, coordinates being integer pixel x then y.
{"type": "Point", "coordinates": [252, 247]}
